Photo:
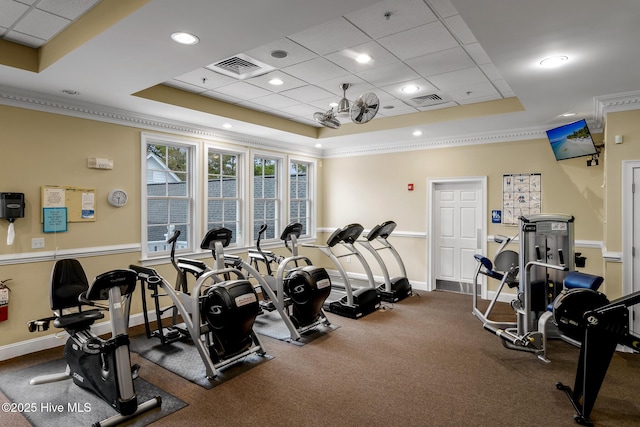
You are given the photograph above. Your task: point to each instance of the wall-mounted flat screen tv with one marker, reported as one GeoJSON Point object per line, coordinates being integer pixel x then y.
{"type": "Point", "coordinates": [572, 140]}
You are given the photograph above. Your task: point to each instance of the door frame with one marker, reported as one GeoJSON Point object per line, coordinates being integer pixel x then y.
{"type": "Point", "coordinates": [432, 184]}
{"type": "Point", "coordinates": [628, 225]}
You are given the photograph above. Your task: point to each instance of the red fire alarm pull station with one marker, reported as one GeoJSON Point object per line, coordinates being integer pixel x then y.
{"type": "Point", "coordinates": [410, 187]}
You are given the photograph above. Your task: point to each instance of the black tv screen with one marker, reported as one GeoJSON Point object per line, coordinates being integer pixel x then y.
{"type": "Point", "coordinates": [572, 140]}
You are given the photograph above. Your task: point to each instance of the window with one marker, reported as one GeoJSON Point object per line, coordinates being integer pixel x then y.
{"type": "Point", "coordinates": [300, 194]}
{"type": "Point", "coordinates": [266, 196]}
{"type": "Point", "coordinates": [169, 194]}
{"type": "Point", "coordinates": [223, 192]}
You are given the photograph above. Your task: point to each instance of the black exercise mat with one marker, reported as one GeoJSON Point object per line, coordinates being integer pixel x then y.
{"type": "Point", "coordinates": [271, 325]}
{"type": "Point", "coordinates": [183, 359]}
{"type": "Point", "coordinates": [63, 403]}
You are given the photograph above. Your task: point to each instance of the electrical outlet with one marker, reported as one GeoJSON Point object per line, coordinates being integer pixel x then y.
{"type": "Point", "coordinates": [37, 243]}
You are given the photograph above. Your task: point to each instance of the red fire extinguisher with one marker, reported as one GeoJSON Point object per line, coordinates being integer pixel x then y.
{"type": "Point", "coordinates": [4, 300]}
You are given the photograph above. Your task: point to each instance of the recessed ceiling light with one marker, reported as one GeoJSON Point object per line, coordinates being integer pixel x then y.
{"type": "Point", "coordinates": [184, 38]}
{"type": "Point", "coordinates": [554, 61]}
{"type": "Point", "coordinates": [227, 126]}
{"type": "Point", "coordinates": [363, 58]}
{"type": "Point", "coordinates": [410, 89]}
{"type": "Point", "coordinates": [388, 107]}
{"type": "Point", "coordinates": [417, 132]}
{"type": "Point", "coordinates": [276, 82]}
{"type": "Point", "coordinates": [333, 104]}
{"type": "Point", "coordinates": [318, 145]}
{"type": "Point", "coordinates": [568, 114]}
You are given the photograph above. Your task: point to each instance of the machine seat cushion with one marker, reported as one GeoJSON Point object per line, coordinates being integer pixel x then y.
{"type": "Point", "coordinates": [78, 320]}
{"type": "Point", "coordinates": [488, 265]}
{"type": "Point", "coordinates": [575, 279]}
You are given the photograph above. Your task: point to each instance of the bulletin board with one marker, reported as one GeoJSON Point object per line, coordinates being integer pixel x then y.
{"type": "Point", "coordinates": [80, 202]}
{"type": "Point", "coordinates": [521, 195]}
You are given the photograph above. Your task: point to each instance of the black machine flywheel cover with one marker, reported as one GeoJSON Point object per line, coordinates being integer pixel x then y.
{"type": "Point", "coordinates": [569, 309]}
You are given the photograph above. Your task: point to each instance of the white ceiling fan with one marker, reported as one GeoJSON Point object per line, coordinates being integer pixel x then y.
{"type": "Point", "coordinates": [361, 110]}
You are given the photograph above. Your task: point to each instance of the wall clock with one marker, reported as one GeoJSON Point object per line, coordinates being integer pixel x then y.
{"type": "Point", "coordinates": [117, 197]}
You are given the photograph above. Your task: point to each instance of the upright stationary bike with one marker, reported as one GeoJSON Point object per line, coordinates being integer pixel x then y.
{"type": "Point", "coordinates": [102, 367]}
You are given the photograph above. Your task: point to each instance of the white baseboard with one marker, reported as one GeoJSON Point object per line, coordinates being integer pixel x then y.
{"type": "Point", "coordinates": [361, 277]}
{"type": "Point", "coordinates": [59, 338]}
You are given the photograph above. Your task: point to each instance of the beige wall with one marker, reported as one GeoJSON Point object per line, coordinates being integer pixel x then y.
{"type": "Point", "coordinates": [372, 189]}
{"type": "Point", "coordinates": [47, 149]}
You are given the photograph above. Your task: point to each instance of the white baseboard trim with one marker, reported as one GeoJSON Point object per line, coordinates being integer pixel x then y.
{"type": "Point", "coordinates": [361, 277]}
{"type": "Point", "coordinates": [59, 338]}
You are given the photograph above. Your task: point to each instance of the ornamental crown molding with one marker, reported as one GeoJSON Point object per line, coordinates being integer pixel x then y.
{"type": "Point", "coordinates": [616, 102]}
{"type": "Point", "coordinates": [55, 105]}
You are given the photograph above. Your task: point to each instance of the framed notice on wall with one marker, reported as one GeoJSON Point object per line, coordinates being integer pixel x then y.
{"type": "Point", "coordinates": [521, 195]}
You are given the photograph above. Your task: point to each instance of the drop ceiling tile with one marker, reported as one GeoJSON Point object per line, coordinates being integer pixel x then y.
{"type": "Point", "coordinates": [460, 78]}
{"type": "Point", "coordinates": [274, 101]}
{"type": "Point", "coordinates": [323, 104]}
{"type": "Point", "coordinates": [477, 53]}
{"type": "Point", "coordinates": [441, 62]}
{"type": "Point", "coordinates": [388, 74]}
{"type": "Point", "coordinates": [289, 82]}
{"type": "Point", "coordinates": [333, 85]}
{"type": "Point", "coordinates": [41, 24]}
{"type": "Point", "coordinates": [469, 93]}
{"type": "Point", "coordinates": [306, 121]}
{"type": "Point", "coordinates": [221, 97]}
{"type": "Point", "coordinates": [243, 90]}
{"type": "Point", "coordinates": [503, 87]}
{"type": "Point", "coordinates": [296, 53]}
{"type": "Point", "coordinates": [300, 110]}
{"type": "Point", "coordinates": [330, 37]}
{"type": "Point", "coordinates": [460, 29]}
{"type": "Point", "coordinates": [396, 89]}
{"type": "Point", "coordinates": [306, 93]}
{"type": "Point", "coordinates": [481, 99]}
{"type": "Point", "coordinates": [11, 11]}
{"type": "Point", "coordinates": [444, 8]}
{"type": "Point", "coordinates": [419, 41]}
{"type": "Point", "coordinates": [206, 79]}
{"type": "Point", "coordinates": [188, 87]}
{"type": "Point", "coordinates": [253, 106]}
{"type": "Point", "coordinates": [405, 14]}
{"type": "Point", "coordinates": [70, 9]}
{"type": "Point", "coordinates": [16, 37]}
{"type": "Point", "coordinates": [399, 108]}
{"type": "Point", "coordinates": [347, 58]}
{"type": "Point", "coordinates": [438, 106]}
{"type": "Point", "coordinates": [316, 70]}
{"type": "Point", "coordinates": [491, 71]}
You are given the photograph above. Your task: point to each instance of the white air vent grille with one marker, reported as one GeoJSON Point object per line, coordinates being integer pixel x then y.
{"type": "Point", "coordinates": [427, 100]}
{"type": "Point", "coordinates": [240, 66]}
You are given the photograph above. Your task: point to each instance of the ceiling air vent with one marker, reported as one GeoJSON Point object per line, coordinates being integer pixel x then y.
{"type": "Point", "coordinates": [426, 100]}
{"type": "Point", "coordinates": [240, 67]}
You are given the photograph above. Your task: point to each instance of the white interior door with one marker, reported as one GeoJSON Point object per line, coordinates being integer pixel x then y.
{"type": "Point", "coordinates": [457, 231]}
{"type": "Point", "coordinates": [635, 325]}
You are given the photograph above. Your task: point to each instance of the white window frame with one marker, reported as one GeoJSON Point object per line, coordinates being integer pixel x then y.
{"type": "Point", "coordinates": [242, 190]}
{"type": "Point", "coordinates": [282, 198]}
{"type": "Point", "coordinates": [194, 153]}
{"type": "Point", "coordinates": [311, 196]}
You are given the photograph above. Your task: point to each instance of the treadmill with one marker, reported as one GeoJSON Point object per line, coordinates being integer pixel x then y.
{"type": "Point", "coordinates": [356, 302]}
{"type": "Point", "coordinates": [396, 288]}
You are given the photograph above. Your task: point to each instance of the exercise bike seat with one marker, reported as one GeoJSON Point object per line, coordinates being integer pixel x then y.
{"type": "Point", "coordinates": [78, 321]}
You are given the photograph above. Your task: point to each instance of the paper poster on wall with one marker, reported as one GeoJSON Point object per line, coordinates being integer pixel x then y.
{"type": "Point", "coordinates": [54, 220]}
{"type": "Point", "coordinates": [79, 202]}
{"type": "Point", "coordinates": [521, 195]}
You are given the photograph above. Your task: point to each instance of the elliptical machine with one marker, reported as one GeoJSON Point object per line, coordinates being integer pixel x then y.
{"type": "Point", "coordinates": [220, 311]}
{"type": "Point", "coordinates": [102, 367]}
{"type": "Point", "coordinates": [393, 289]}
{"type": "Point", "coordinates": [356, 302]}
{"type": "Point", "coordinates": [296, 292]}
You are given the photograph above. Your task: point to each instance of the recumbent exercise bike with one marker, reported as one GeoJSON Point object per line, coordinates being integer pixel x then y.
{"type": "Point", "coordinates": [102, 367]}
